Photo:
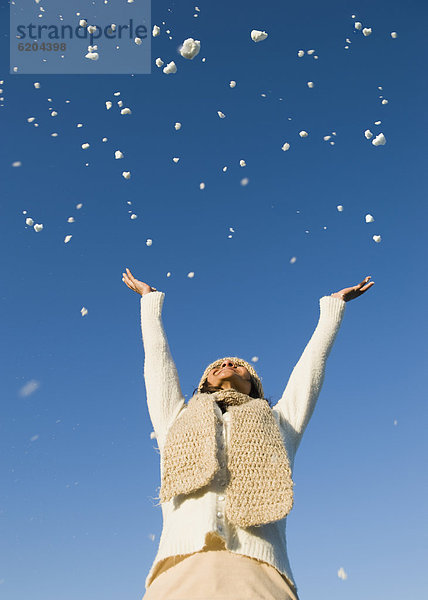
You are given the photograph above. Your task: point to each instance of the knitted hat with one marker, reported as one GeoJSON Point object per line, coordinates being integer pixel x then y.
{"type": "Point", "coordinates": [237, 361]}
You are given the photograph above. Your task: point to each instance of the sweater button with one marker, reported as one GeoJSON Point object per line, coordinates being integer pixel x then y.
{"type": "Point", "coordinates": [221, 497]}
{"type": "Point", "coordinates": [219, 515]}
{"type": "Point", "coordinates": [220, 528]}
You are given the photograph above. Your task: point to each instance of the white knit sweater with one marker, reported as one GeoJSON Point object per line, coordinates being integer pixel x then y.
{"type": "Point", "coordinates": [188, 519]}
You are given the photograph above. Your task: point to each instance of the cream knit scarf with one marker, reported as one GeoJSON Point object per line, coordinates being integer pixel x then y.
{"type": "Point", "coordinates": [260, 488]}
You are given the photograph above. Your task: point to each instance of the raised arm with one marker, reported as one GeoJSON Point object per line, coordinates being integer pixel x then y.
{"type": "Point", "coordinates": [297, 403]}
{"type": "Point", "coordinates": [164, 395]}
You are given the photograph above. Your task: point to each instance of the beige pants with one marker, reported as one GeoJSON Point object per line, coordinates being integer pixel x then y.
{"type": "Point", "coordinates": [219, 575]}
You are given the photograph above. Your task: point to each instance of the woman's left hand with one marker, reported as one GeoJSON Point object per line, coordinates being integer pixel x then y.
{"type": "Point", "coordinates": [353, 292]}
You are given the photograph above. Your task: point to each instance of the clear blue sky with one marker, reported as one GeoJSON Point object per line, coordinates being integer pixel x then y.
{"type": "Point", "coordinates": [77, 512]}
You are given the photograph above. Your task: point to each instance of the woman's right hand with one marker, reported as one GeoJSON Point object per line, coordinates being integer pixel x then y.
{"type": "Point", "coordinates": [137, 286]}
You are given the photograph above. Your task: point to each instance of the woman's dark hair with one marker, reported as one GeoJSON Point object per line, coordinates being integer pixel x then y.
{"type": "Point", "coordinates": [209, 389]}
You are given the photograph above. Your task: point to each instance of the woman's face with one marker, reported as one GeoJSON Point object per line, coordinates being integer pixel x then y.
{"type": "Point", "coordinates": [230, 376]}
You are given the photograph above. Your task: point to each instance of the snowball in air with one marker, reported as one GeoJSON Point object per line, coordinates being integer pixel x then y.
{"type": "Point", "coordinates": [176, 159]}
{"type": "Point", "coordinates": [254, 359]}
{"type": "Point", "coordinates": [17, 163]}
{"type": "Point", "coordinates": [177, 126]}
{"type": "Point", "coordinates": [358, 25]}
{"type": "Point", "coordinates": [293, 260]}
{"type": "Point", "coordinates": [285, 147]}
{"type": "Point", "coordinates": [368, 134]}
{"type": "Point", "coordinates": [170, 68]}
{"type": "Point", "coordinates": [300, 53]}
{"type": "Point", "coordinates": [220, 114]}
{"type": "Point", "coordinates": [84, 311]}
{"type": "Point", "coordinates": [138, 41]}
{"type": "Point", "coordinates": [155, 31]}
{"type": "Point", "coordinates": [82, 23]}
{"type": "Point", "coordinates": [377, 238]}
{"type": "Point", "coordinates": [159, 62]}
{"type": "Point", "coordinates": [38, 227]}
{"type": "Point", "coordinates": [258, 36]}
{"type": "Point", "coordinates": [339, 208]}
{"type": "Point", "coordinates": [202, 185]}
{"type": "Point", "coordinates": [67, 239]}
{"type": "Point", "coordinates": [244, 181]}
{"type": "Point", "coordinates": [367, 31]}
{"type": "Point", "coordinates": [37, 85]}
{"type": "Point", "coordinates": [92, 55]}
{"type": "Point", "coordinates": [109, 105]}
{"type": "Point", "coordinates": [125, 111]}
{"type": "Point", "coordinates": [29, 221]}
{"type": "Point", "coordinates": [369, 219]}
{"type": "Point", "coordinates": [242, 163]}
{"type": "Point", "coordinates": [149, 242]}
{"type": "Point", "coordinates": [379, 140]}
{"type": "Point", "coordinates": [84, 146]}
{"type": "Point", "coordinates": [54, 113]}
{"type": "Point", "coordinates": [126, 174]}
{"type": "Point", "coordinates": [190, 275]}
{"type": "Point", "coordinates": [303, 134]}
{"type": "Point", "coordinates": [232, 84]}
{"type": "Point", "coordinates": [118, 154]}
{"type": "Point", "coordinates": [393, 34]}
{"type": "Point", "coordinates": [310, 84]}
{"type": "Point", "coordinates": [384, 101]}
{"type": "Point", "coordinates": [342, 574]}
{"type": "Point", "coordinates": [190, 48]}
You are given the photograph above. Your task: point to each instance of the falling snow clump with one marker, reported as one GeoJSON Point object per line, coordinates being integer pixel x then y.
{"type": "Point", "coordinates": [155, 31]}
{"type": "Point", "coordinates": [170, 68]}
{"type": "Point", "coordinates": [258, 36]}
{"type": "Point", "coordinates": [303, 134]}
{"type": "Point", "coordinates": [379, 140]}
{"type": "Point", "coordinates": [369, 219]}
{"type": "Point", "coordinates": [190, 48]}
{"type": "Point", "coordinates": [285, 147]}
{"type": "Point", "coordinates": [368, 134]}
{"type": "Point", "coordinates": [377, 238]}
{"type": "Point", "coordinates": [341, 573]}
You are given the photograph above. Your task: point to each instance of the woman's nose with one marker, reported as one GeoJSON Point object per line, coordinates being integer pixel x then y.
{"type": "Point", "coordinates": [227, 363]}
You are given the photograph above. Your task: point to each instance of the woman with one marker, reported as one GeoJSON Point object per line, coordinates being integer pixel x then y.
{"type": "Point", "coordinates": [226, 463]}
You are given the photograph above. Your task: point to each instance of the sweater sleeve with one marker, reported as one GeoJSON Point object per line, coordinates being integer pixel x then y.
{"type": "Point", "coordinates": [164, 395]}
{"type": "Point", "coordinates": [297, 403]}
